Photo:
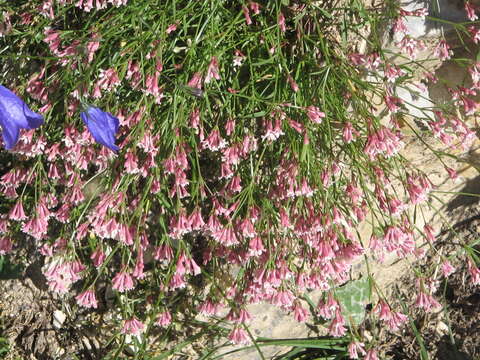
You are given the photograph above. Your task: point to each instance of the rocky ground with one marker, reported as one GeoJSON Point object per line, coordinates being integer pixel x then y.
{"type": "Point", "coordinates": [452, 333]}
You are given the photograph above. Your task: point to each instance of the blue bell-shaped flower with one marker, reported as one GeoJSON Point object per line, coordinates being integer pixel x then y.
{"type": "Point", "coordinates": [15, 115]}
{"type": "Point", "coordinates": [102, 125]}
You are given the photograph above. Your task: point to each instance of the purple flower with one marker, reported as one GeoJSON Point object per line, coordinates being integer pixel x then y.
{"type": "Point", "coordinates": [102, 125]}
{"type": "Point", "coordinates": [15, 115]}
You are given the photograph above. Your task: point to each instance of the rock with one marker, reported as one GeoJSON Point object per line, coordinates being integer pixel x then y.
{"type": "Point", "coordinates": [441, 328]}
{"type": "Point", "coordinates": [416, 100]}
{"type": "Point", "coordinates": [422, 27]}
{"type": "Point", "coordinates": [86, 343]}
{"type": "Point", "coordinates": [58, 319]}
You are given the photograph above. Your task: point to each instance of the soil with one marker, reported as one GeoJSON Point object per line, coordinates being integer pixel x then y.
{"type": "Point", "coordinates": [41, 326]}
{"type": "Point", "coordinates": [452, 333]}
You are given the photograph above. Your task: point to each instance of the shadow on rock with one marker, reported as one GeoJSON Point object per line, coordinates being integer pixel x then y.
{"type": "Point", "coordinates": [34, 273]}
{"type": "Point", "coordinates": [471, 187]}
{"type": "Point", "coordinates": [447, 351]}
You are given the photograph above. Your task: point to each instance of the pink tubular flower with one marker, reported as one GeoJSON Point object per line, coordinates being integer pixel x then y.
{"type": "Point", "coordinates": [62, 274]}
{"type": "Point", "coordinates": [214, 141]}
{"type": "Point", "coordinates": [474, 71]}
{"type": "Point", "coordinates": [139, 266]}
{"type": "Point", "coordinates": [87, 299]}
{"type": "Point", "coordinates": [474, 272]}
{"type": "Point", "coordinates": [177, 282]}
{"type": "Point", "coordinates": [393, 103]}
{"type": "Point", "coordinates": [314, 114]}
{"type": "Point", "coordinates": [411, 46]}
{"type": "Point", "coordinates": [87, 5]}
{"type": "Point", "coordinates": [371, 355]}
{"type": "Point", "coordinates": [92, 47]}
{"type": "Point", "coordinates": [470, 106]}
{"type": "Point", "coordinates": [122, 282]}
{"type": "Point", "coordinates": [246, 13]}
{"type": "Point", "coordinates": [383, 310]}
{"type": "Point", "coordinates": [396, 320]}
{"type": "Point", "coordinates": [234, 185]}
{"type": "Point", "coordinates": [452, 174]}
{"type": "Point", "coordinates": [196, 220]}
{"type": "Point", "coordinates": [337, 326]}
{"type": "Point", "coordinates": [98, 257]}
{"type": "Point", "coordinates": [296, 126]}
{"type": "Point", "coordinates": [470, 9]}
{"type": "Point", "coordinates": [53, 172]}
{"type": "Point", "coordinates": [255, 247]}
{"type": "Point", "coordinates": [163, 253]}
{"type": "Point", "coordinates": [225, 236]}
{"type": "Point", "coordinates": [125, 234]}
{"type": "Point", "coordinates": [354, 348]}
{"type": "Point", "coordinates": [326, 309]}
{"type": "Point", "coordinates": [209, 308]}
{"type": "Point", "coordinates": [300, 314]}
{"type": "Point", "coordinates": [239, 336]}
{"type": "Point", "coordinates": [152, 88]}
{"type": "Point", "coordinates": [418, 188]}
{"type": "Point", "coordinates": [348, 131]}
{"type": "Point", "coordinates": [293, 83]}
{"type": "Point", "coordinates": [164, 319]}
{"type": "Point", "coordinates": [447, 268]}
{"type": "Point", "coordinates": [132, 327]}
{"type": "Point", "coordinates": [255, 7]}
{"type": "Point", "coordinates": [238, 316]}
{"type": "Point", "coordinates": [108, 80]}
{"type": "Point", "coordinates": [36, 227]}
{"type": "Point", "coordinates": [474, 33]}
{"type": "Point", "coordinates": [46, 9]}
{"type": "Point", "coordinates": [397, 239]}
{"type": "Point", "coordinates": [3, 225]}
{"type": "Point", "coordinates": [427, 302]}
{"type": "Point", "coordinates": [399, 25]}
{"type": "Point", "coordinates": [393, 72]}
{"type": "Point", "coordinates": [180, 225]}
{"type": "Point", "coordinates": [131, 163]}
{"type": "Point", "coordinates": [357, 59]}
{"type": "Point", "coordinates": [192, 267]}
{"type": "Point", "coordinates": [281, 22]}
{"type": "Point", "coordinates": [5, 245]}
{"type": "Point", "coordinates": [196, 81]}
{"type": "Point", "coordinates": [384, 141]}
{"type": "Point", "coordinates": [429, 233]}
{"type": "Point", "coordinates": [195, 120]}
{"type": "Point", "coordinates": [52, 38]}
{"type": "Point", "coordinates": [273, 132]}
{"type": "Point", "coordinates": [171, 28]}
{"type": "Point", "coordinates": [212, 71]}
{"type": "Point", "coordinates": [17, 213]}
{"type": "Point", "coordinates": [283, 298]}
{"type": "Point", "coordinates": [134, 75]}
{"type": "Point", "coordinates": [442, 50]}
{"type": "Point", "coordinates": [230, 126]}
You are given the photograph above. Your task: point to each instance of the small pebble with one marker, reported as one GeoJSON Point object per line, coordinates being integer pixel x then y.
{"type": "Point", "coordinates": [58, 319]}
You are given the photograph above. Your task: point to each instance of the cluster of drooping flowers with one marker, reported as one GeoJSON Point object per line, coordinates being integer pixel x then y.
{"type": "Point", "coordinates": [181, 190]}
{"type": "Point", "coordinates": [47, 6]}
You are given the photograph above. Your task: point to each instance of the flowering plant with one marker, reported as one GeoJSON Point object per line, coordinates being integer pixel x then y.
{"type": "Point", "coordinates": [250, 187]}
